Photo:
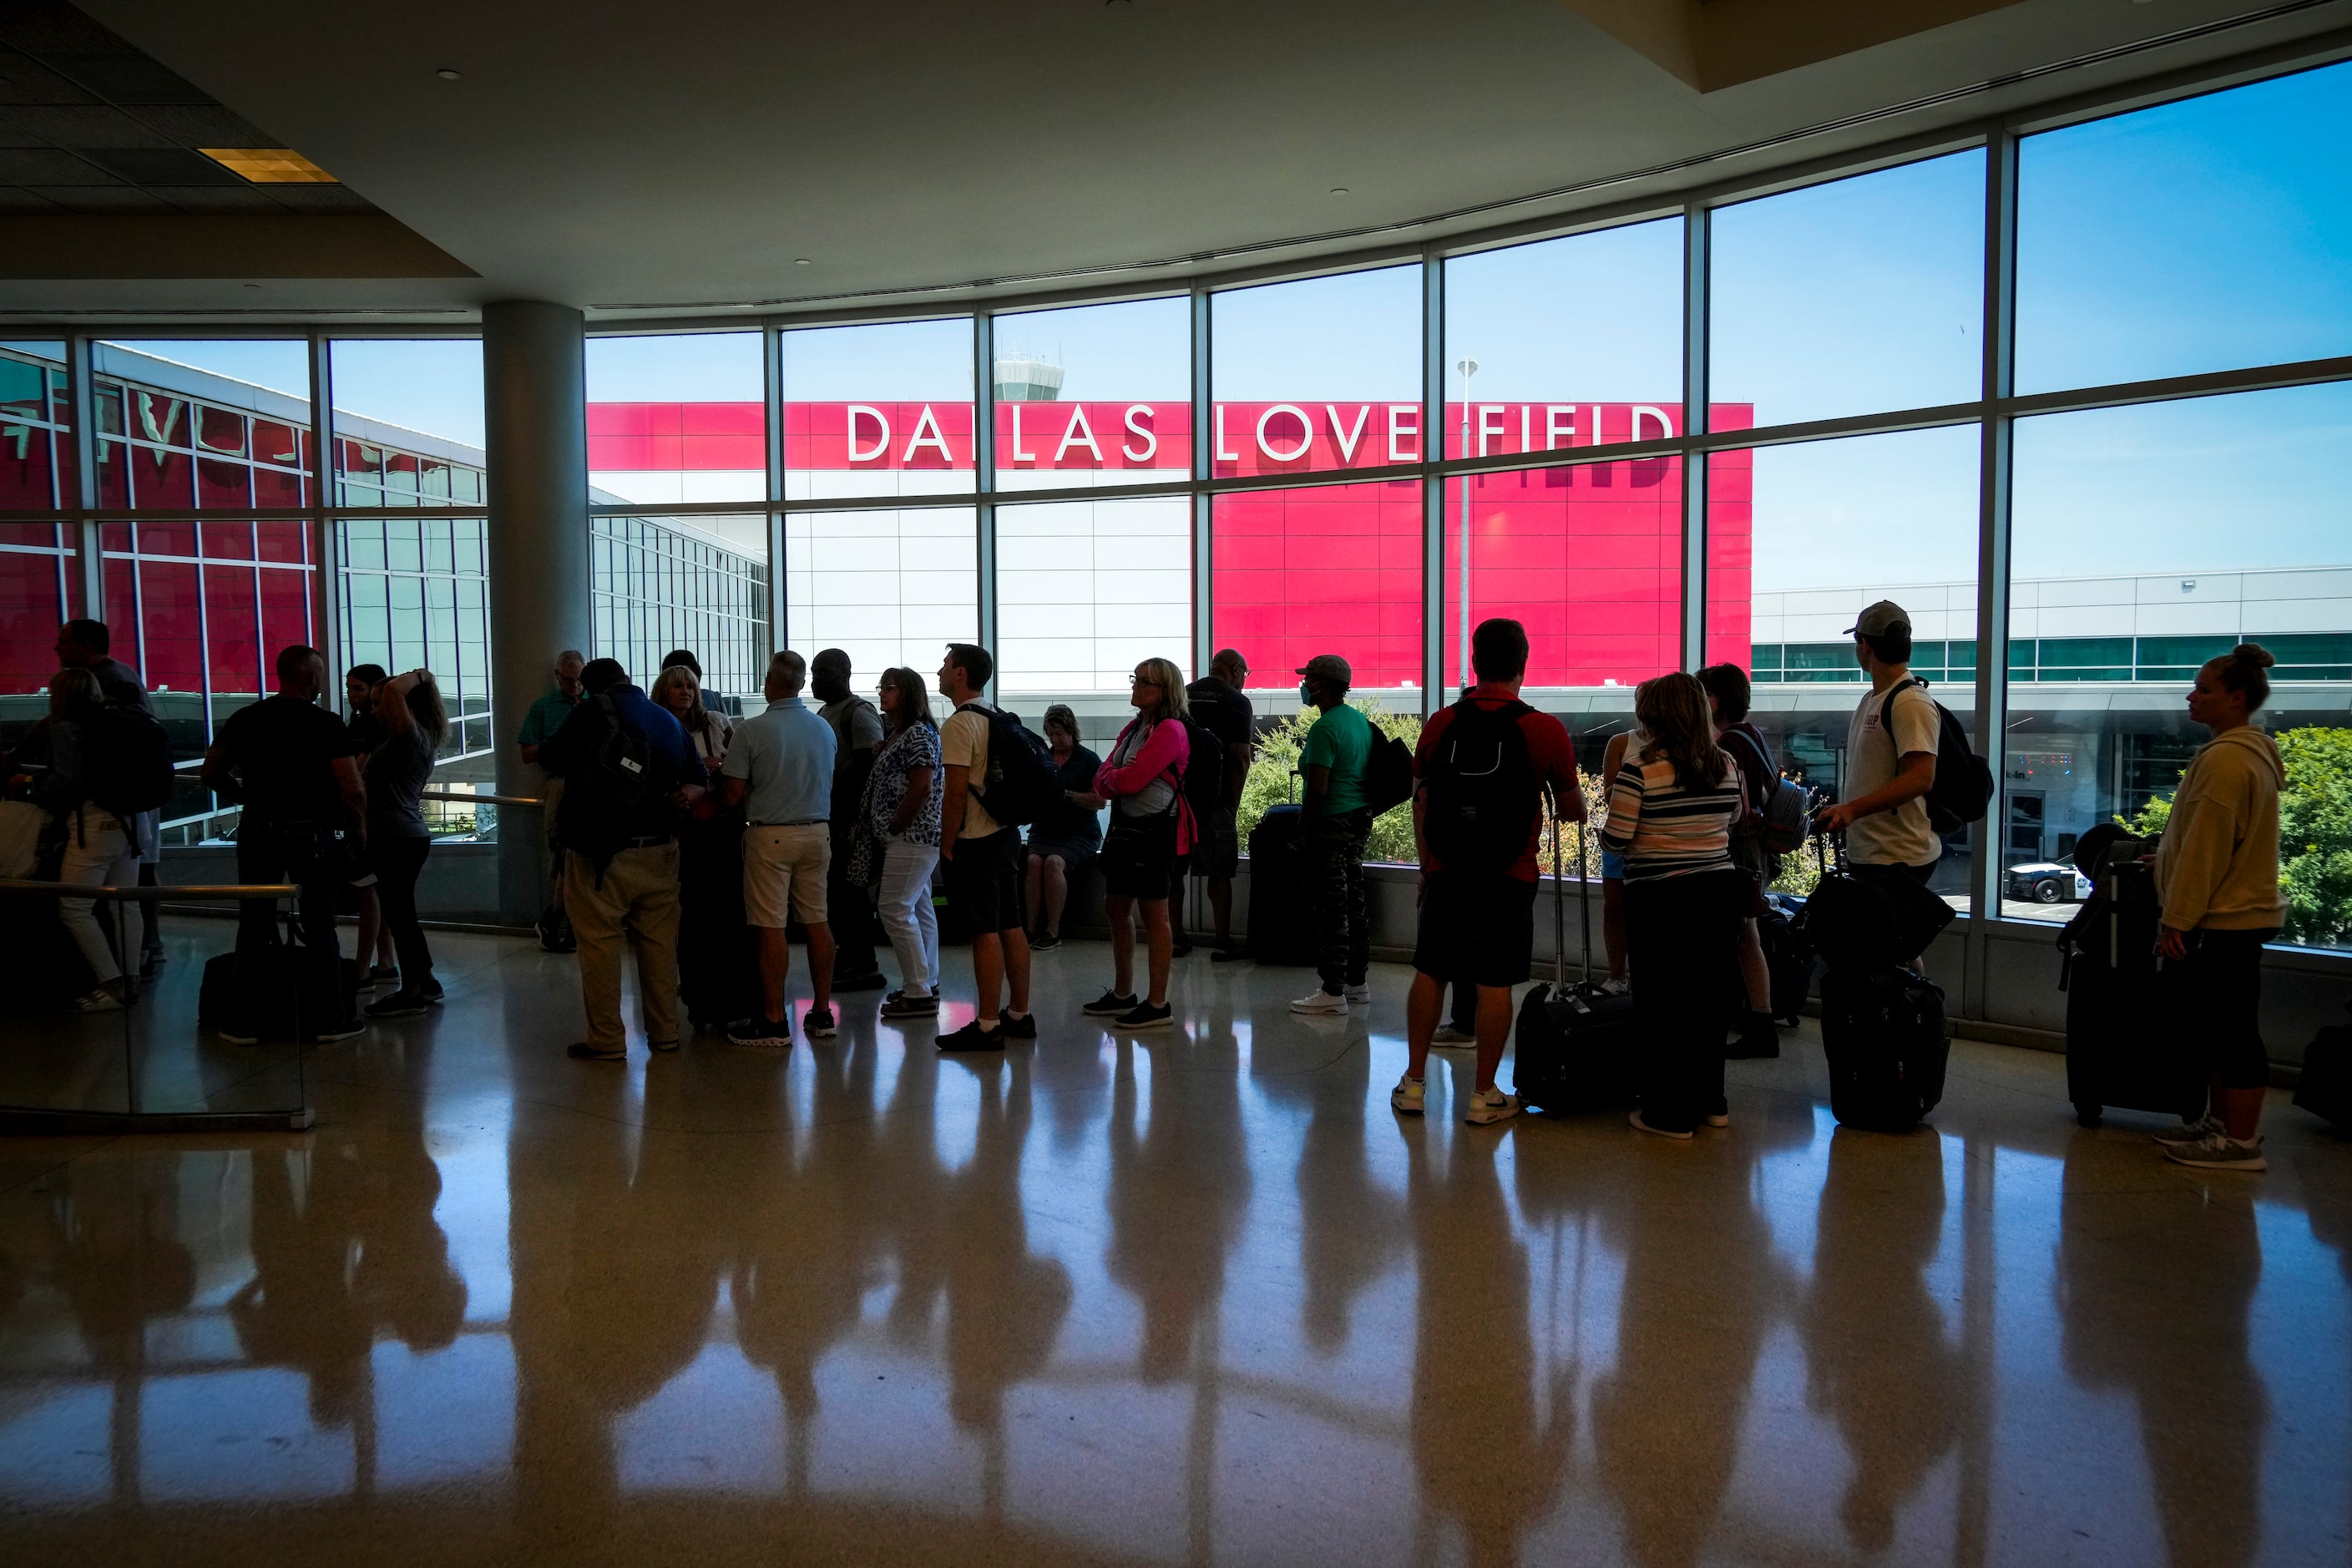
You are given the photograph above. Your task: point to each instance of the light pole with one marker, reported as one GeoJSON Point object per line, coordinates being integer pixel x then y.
{"type": "Point", "coordinates": [1468, 367]}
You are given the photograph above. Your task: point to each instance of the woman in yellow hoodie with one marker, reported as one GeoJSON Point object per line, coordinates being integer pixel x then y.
{"type": "Point", "coordinates": [2217, 878]}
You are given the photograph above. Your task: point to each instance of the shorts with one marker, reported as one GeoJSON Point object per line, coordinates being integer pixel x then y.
{"type": "Point", "coordinates": [984, 879]}
{"type": "Point", "coordinates": [1076, 854]}
{"type": "Point", "coordinates": [1218, 851]}
{"type": "Point", "coordinates": [1613, 866]}
{"type": "Point", "coordinates": [1139, 857]}
{"type": "Point", "coordinates": [785, 868]}
{"type": "Point", "coordinates": [1478, 926]}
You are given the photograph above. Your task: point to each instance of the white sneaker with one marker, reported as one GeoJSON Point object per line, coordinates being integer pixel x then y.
{"type": "Point", "coordinates": [2219, 1152]}
{"type": "Point", "coordinates": [1319, 1003]}
{"type": "Point", "coordinates": [1410, 1097]}
{"type": "Point", "coordinates": [1638, 1125]}
{"type": "Point", "coordinates": [2189, 1132]}
{"type": "Point", "coordinates": [1357, 993]}
{"type": "Point", "coordinates": [1616, 987]}
{"type": "Point", "coordinates": [1447, 1035]}
{"type": "Point", "coordinates": [1492, 1105]}
{"type": "Point", "coordinates": [102, 1000]}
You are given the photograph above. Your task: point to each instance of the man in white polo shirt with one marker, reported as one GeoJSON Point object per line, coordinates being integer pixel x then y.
{"type": "Point", "coordinates": [779, 768]}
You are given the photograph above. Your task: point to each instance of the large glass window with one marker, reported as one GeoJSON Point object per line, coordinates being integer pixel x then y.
{"type": "Point", "coordinates": [1334, 569]}
{"type": "Point", "coordinates": [1567, 343]}
{"type": "Point", "coordinates": [1801, 540]}
{"type": "Point", "coordinates": [2147, 539]}
{"type": "Point", "coordinates": [1847, 297]}
{"type": "Point", "coordinates": [888, 587]}
{"type": "Point", "coordinates": [879, 411]}
{"type": "Point", "coordinates": [1085, 589]}
{"type": "Point", "coordinates": [409, 422]}
{"type": "Point", "coordinates": [2198, 236]}
{"type": "Point", "coordinates": [207, 423]}
{"type": "Point", "coordinates": [36, 428]}
{"type": "Point", "coordinates": [1094, 395]}
{"type": "Point", "coordinates": [684, 582]}
{"type": "Point", "coordinates": [678, 420]}
{"type": "Point", "coordinates": [1319, 375]}
{"type": "Point", "coordinates": [416, 591]}
{"type": "Point", "coordinates": [39, 562]}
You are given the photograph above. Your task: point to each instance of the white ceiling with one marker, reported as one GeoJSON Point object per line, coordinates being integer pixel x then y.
{"type": "Point", "coordinates": [665, 157]}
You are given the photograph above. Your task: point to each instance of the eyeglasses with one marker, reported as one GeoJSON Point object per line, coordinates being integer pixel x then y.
{"type": "Point", "coordinates": [1142, 680]}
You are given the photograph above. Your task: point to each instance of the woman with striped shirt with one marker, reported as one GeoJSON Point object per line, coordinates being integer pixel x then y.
{"type": "Point", "coordinates": [1670, 816]}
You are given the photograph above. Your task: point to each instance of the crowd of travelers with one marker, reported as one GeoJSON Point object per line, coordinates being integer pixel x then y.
{"type": "Point", "coordinates": [695, 846]}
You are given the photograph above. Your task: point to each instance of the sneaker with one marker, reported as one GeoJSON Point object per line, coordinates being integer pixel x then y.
{"type": "Point", "coordinates": [1046, 944]}
{"type": "Point", "coordinates": [2195, 1131]}
{"type": "Point", "coordinates": [1492, 1105]}
{"type": "Point", "coordinates": [898, 1004]}
{"type": "Point", "coordinates": [1718, 1118]}
{"type": "Point", "coordinates": [1180, 949]}
{"type": "Point", "coordinates": [1447, 1035]}
{"type": "Point", "coordinates": [1147, 1016]}
{"type": "Point", "coordinates": [973, 1037]}
{"type": "Point", "coordinates": [384, 974]}
{"type": "Point", "coordinates": [2219, 1152]}
{"type": "Point", "coordinates": [432, 992]}
{"type": "Point", "coordinates": [401, 1004]}
{"type": "Point", "coordinates": [102, 1000]}
{"type": "Point", "coordinates": [1229, 955]}
{"type": "Point", "coordinates": [1025, 1027]}
{"type": "Point", "coordinates": [553, 937]}
{"type": "Point", "coordinates": [237, 1034]}
{"type": "Point", "coordinates": [1410, 1097]}
{"type": "Point", "coordinates": [817, 1024]}
{"type": "Point", "coordinates": [762, 1033]}
{"type": "Point", "coordinates": [582, 1051]}
{"type": "Point", "coordinates": [1358, 995]}
{"type": "Point", "coordinates": [342, 1031]}
{"type": "Point", "coordinates": [1616, 988]}
{"type": "Point", "coordinates": [1638, 1125]}
{"type": "Point", "coordinates": [1320, 1004]}
{"type": "Point", "coordinates": [1110, 1004]}
{"type": "Point", "coordinates": [662, 1047]}
{"type": "Point", "coordinates": [873, 980]}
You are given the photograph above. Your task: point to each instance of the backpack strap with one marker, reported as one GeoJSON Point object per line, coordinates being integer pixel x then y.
{"type": "Point", "coordinates": [1886, 709]}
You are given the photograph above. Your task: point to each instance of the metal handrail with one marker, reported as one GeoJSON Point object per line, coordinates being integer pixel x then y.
{"type": "Point", "coordinates": [492, 799]}
{"type": "Point", "coordinates": [149, 895]}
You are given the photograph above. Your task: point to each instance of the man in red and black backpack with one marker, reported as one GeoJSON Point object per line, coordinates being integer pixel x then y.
{"type": "Point", "coordinates": [1484, 768]}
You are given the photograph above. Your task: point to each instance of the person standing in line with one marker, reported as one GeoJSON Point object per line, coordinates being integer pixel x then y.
{"type": "Point", "coordinates": [1219, 705]}
{"type": "Point", "coordinates": [1065, 840]}
{"type": "Point", "coordinates": [857, 738]}
{"type": "Point", "coordinates": [288, 762]}
{"type": "Point", "coordinates": [1727, 696]}
{"type": "Point", "coordinates": [88, 645]}
{"type": "Point", "coordinates": [1149, 828]}
{"type": "Point", "coordinates": [1479, 869]}
{"type": "Point", "coordinates": [1670, 814]}
{"type": "Point", "coordinates": [1890, 758]}
{"type": "Point", "coordinates": [714, 952]}
{"type": "Point", "coordinates": [2217, 883]}
{"type": "Point", "coordinates": [779, 771]}
{"type": "Point", "coordinates": [546, 716]}
{"type": "Point", "coordinates": [907, 786]}
{"type": "Point", "coordinates": [1337, 824]}
{"type": "Point", "coordinates": [414, 723]}
{"type": "Point", "coordinates": [101, 846]}
{"type": "Point", "coordinates": [375, 952]}
{"type": "Point", "coordinates": [983, 860]}
{"type": "Point", "coordinates": [628, 776]}
{"type": "Point", "coordinates": [1613, 866]}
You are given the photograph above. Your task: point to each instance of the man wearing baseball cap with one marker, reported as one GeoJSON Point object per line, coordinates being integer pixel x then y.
{"type": "Point", "coordinates": [1337, 821]}
{"type": "Point", "coordinates": [1890, 757]}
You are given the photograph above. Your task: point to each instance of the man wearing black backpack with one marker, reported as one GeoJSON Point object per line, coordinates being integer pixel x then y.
{"type": "Point", "coordinates": [88, 645]}
{"type": "Point", "coordinates": [982, 851]}
{"type": "Point", "coordinates": [628, 772]}
{"type": "Point", "coordinates": [1485, 766]}
{"type": "Point", "coordinates": [1890, 758]}
{"type": "Point", "coordinates": [1219, 708]}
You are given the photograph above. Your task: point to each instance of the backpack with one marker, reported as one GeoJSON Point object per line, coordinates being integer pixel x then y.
{"type": "Point", "coordinates": [1022, 784]}
{"type": "Point", "coordinates": [601, 801]}
{"type": "Point", "coordinates": [1962, 791]}
{"type": "Point", "coordinates": [128, 764]}
{"type": "Point", "coordinates": [1484, 802]}
{"type": "Point", "coordinates": [1204, 773]}
{"type": "Point", "coordinates": [1388, 773]}
{"type": "Point", "coordinates": [1788, 815]}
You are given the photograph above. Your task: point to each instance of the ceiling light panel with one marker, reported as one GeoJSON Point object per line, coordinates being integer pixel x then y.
{"type": "Point", "coordinates": [269, 165]}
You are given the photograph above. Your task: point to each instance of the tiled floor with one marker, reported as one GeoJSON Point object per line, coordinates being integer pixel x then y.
{"type": "Point", "coordinates": [1197, 1296]}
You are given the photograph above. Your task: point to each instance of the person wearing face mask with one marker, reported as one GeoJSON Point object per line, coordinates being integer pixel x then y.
{"type": "Point", "coordinates": [1337, 824]}
{"type": "Point", "coordinates": [857, 737]}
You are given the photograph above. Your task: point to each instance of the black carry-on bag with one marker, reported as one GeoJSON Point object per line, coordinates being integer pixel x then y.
{"type": "Point", "coordinates": [1882, 1023]}
{"type": "Point", "coordinates": [288, 1004]}
{"type": "Point", "coordinates": [2123, 1048]}
{"type": "Point", "coordinates": [1280, 929]}
{"type": "Point", "coordinates": [2326, 1088]}
{"type": "Point", "coordinates": [1576, 1044]}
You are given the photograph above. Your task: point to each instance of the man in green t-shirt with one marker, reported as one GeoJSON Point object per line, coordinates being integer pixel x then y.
{"type": "Point", "coordinates": [1337, 822]}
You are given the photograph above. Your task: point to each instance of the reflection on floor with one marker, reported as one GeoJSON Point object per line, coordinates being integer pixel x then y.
{"type": "Point", "coordinates": [1197, 1296]}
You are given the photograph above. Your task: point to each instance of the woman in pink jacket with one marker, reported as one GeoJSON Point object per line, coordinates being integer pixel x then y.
{"type": "Point", "coordinates": [1143, 779]}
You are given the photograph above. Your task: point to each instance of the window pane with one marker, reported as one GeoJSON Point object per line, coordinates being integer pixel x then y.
{"type": "Point", "coordinates": [1335, 569]}
{"type": "Point", "coordinates": [1120, 379]}
{"type": "Point", "coordinates": [35, 438]}
{"type": "Point", "coordinates": [677, 419]}
{"type": "Point", "coordinates": [1800, 539]}
{"type": "Point", "coordinates": [1858, 295]}
{"type": "Point", "coordinates": [400, 405]}
{"type": "Point", "coordinates": [1087, 589]}
{"type": "Point", "coordinates": [1532, 366]}
{"type": "Point", "coordinates": [886, 587]}
{"type": "Point", "coordinates": [696, 582]}
{"type": "Point", "coordinates": [881, 410]}
{"type": "Point", "coordinates": [235, 404]}
{"type": "Point", "coordinates": [1319, 375]}
{"type": "Point", "coordinates": [38, 569]}
{"type": "Point", "coordinates": [1588, 559]}
{"type": "Point", "coordinates": [2130, 567]}
{"type": "Point", "coordinates": [2204, 235]}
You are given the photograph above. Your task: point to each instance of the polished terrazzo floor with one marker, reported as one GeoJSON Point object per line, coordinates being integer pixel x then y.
{"type": "Point", "coordinates": [1191, 1297]}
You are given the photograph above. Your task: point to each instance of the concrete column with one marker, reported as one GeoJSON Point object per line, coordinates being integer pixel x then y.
{"type": "Point", "coordinates": [535, 396]}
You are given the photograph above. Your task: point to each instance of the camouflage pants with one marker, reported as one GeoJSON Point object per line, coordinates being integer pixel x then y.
{"type": "Point", "coordinates": [1334, 858]}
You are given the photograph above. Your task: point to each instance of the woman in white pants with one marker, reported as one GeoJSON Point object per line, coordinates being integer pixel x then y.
{"type": "Point", "coordinates": [101, 847]}
{"type": "Point", "coordinates": [903, 800]}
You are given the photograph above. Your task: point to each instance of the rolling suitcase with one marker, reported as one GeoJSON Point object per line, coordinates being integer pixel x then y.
{"type": "Point", "coordinates": [2123, 1048]}
{"type": "Point", "coordinates": [1280, 929]}
{"type": "Point", "coordinates": [1882, 1032]}
{"type": "Point", "coordinates": [1787, 959]}
{"type": "Point", "coordinates": [1576, 1045]}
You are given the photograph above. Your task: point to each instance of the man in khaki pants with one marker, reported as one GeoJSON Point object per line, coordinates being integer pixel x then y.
{"type": "Point", "coordinates": [628, 772]}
